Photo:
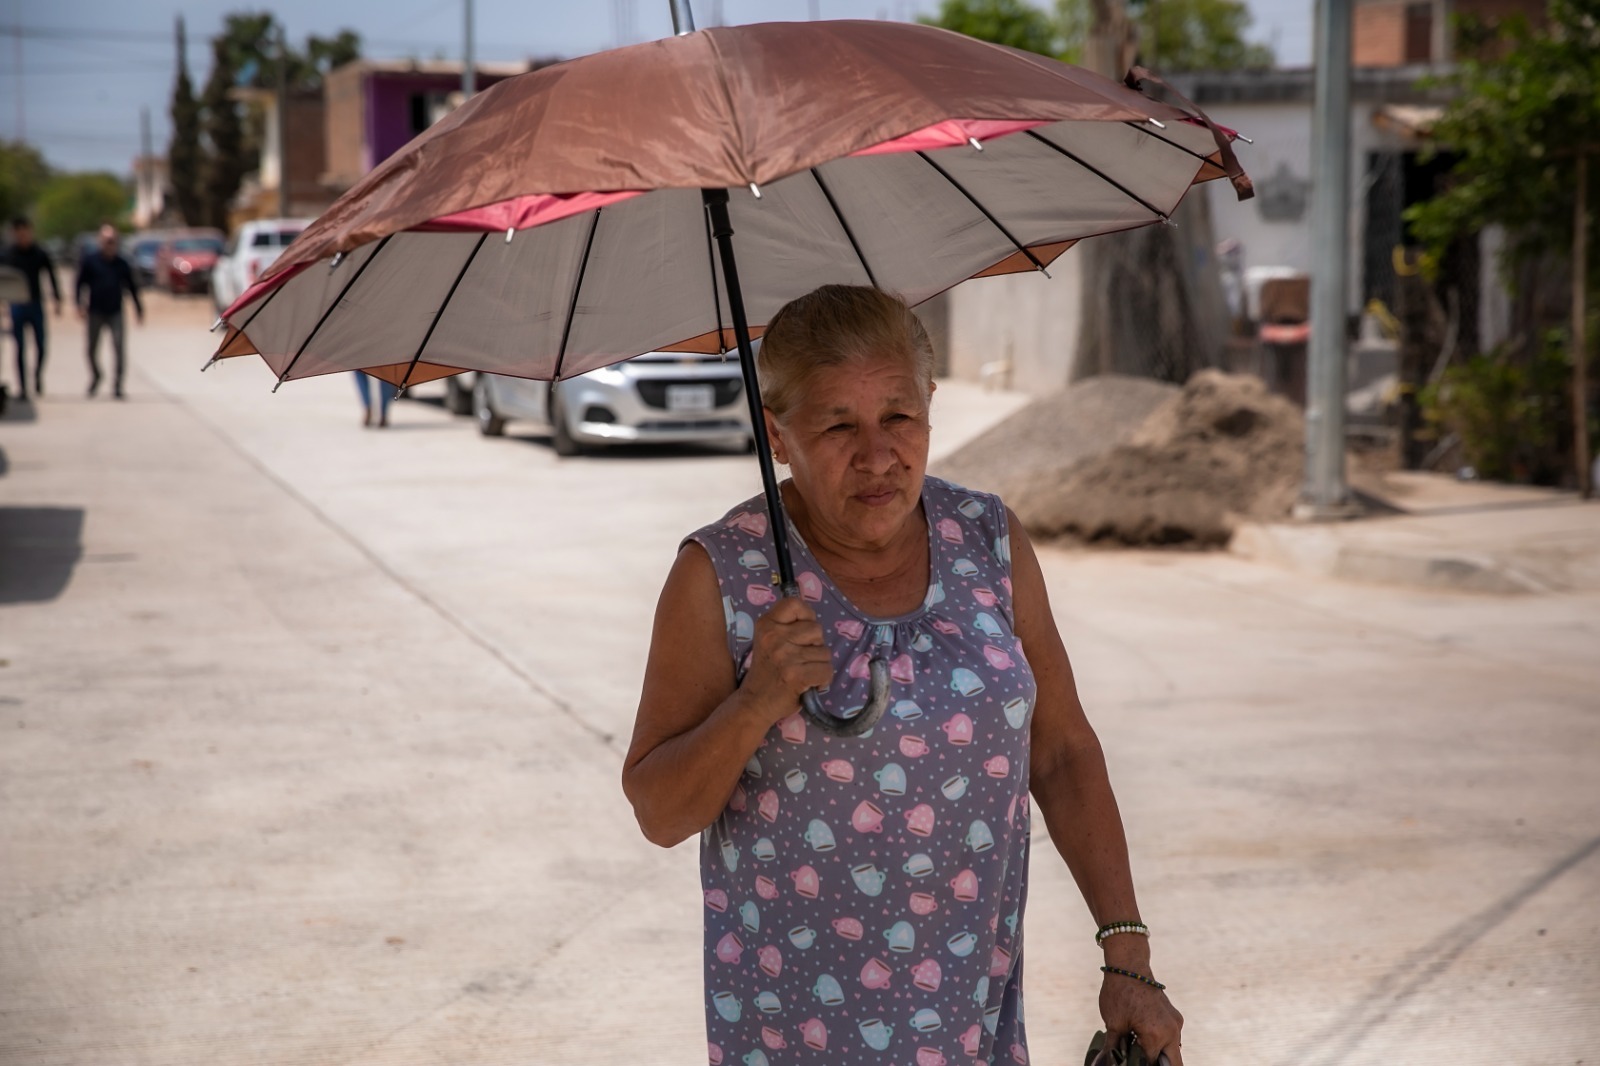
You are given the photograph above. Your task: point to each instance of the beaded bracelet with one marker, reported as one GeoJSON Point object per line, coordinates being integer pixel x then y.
{"type": "Point", "coordinates": [1111, 929]}
{"type": "Point", "coordinates": [1151, 981]}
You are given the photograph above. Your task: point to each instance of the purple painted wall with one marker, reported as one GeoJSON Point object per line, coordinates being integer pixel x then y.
{"type": "Point", "coordinates": [389, 125]}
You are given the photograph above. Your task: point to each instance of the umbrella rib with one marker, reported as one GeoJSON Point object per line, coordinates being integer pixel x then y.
{"type": "Point", "coordinates": [1018, 245]}
{"type": "Point", "coordinates": [1139, 127]}
{"type": "Point", "coordinates": [828, 195]}
{"type": "Point", "coordinates": [438, 315]}
{"type": "Point", "coordinates": [577, 287]}
{"type": "Point", "coordinates": [1102, 175]}
{"type": "Point", "coordinates": [337, 300]}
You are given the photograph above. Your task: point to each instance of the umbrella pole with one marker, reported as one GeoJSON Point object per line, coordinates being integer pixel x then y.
{"type": "Point", "coordinates": [716, 203]}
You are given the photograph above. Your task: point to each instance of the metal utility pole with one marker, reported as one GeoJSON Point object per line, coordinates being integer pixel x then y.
{"type": "Point", "coordinates": [682, 18]}
{"type": "Point", "coordinates": [16, 52]}
{"type": "Point", "coordinates": [1324, 494]}
{"type": "Point", "coordinates": [1580, 347]}
{"type": "Point", "coordinates": [469, 73]}
{"type": "Point", "coordinates": [145, 197]}
{"type": "Point", "coordinates": [283, 124]}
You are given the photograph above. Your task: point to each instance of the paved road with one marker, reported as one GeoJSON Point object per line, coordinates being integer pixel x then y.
{"type": "Point", "coordinates": [313, 734]}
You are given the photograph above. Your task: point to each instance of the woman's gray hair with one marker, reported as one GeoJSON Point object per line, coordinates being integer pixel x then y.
{"type": "Point", "coordinates": [838, 325]}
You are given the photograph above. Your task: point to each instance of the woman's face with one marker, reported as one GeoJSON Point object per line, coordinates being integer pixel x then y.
{"type": "Point", "coordinates": [857, 447]}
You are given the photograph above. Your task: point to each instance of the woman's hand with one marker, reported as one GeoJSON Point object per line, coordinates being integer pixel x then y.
{"type": "Point", "coordinates": [788, 656]}
{"type": "Point", "coordinates": [1130, 1006]}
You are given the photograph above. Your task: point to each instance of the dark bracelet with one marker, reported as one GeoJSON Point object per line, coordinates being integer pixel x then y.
{"type": "Point", "coordinates": [1151, 981]}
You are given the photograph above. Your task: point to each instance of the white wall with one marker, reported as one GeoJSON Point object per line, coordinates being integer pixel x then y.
{"type": "Point", "coordinates": [1028, 319]}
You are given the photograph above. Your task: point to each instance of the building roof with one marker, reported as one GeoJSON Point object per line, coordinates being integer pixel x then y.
{"type": "Point", "coordinates": [440, 66]}
{"type": "Point", "coordinates": [1389, 85]}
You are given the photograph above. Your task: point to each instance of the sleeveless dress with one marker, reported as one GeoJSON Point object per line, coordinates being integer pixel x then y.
{"type": "Point", "coordinates": [864, 895]}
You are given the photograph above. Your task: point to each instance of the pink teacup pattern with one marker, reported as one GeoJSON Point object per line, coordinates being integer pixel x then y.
{"type": "Point", "coordinates": [852, 912]}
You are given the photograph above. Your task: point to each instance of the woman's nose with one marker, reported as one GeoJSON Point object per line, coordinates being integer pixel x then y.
{"type": "Point", "coordinates": [875, 451]}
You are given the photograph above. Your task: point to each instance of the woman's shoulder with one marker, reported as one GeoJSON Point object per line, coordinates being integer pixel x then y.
{"type": "Point", "coordinates": [742, 530]}
{"type": "Point", "coordinates": [946, 498]}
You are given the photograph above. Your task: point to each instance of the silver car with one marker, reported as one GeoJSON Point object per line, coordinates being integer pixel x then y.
{"type": "Point", "coordinates": [655, 398]}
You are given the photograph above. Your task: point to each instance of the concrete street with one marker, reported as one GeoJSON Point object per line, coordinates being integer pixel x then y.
{"type": "Point", "coordinates": [312, 737]}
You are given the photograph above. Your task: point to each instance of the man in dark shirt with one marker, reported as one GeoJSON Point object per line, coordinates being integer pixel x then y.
{"type": "Point", "coordinates": [103, 277]}
{"type": "Point", "coordinates": [29, 258]}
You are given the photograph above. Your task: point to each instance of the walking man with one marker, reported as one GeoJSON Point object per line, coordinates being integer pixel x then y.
{"type": "Point", "coordinates": [33, 261]}
{"type": "Point", "coordinates": [102, 278]}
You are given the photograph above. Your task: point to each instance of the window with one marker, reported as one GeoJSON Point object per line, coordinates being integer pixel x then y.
{"type": "Point", "coordinates": [1419, 33]}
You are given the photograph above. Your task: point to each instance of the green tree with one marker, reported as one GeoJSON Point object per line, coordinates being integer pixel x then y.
{"type": "Point", "coordinates": [1522, 122]}
{"type": "Point", "coordinates": [1517, 125]}
{"type": "Point", "coordinates": [23, 173]}
{"type": "Point", "coordinates": [184, 152]}
{"type": "Point", "coordinates": [1185, 35]}
{"type": "Point", "coordinates": [226, 161]}
{"type": "Point", "coordinates": [70, 204]}
{"type": "Point", "coordinates": [1015, 23]}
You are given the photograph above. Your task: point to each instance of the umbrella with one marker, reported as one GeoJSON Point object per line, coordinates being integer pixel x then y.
{"type": "Point", "coordinates": [586, 212]}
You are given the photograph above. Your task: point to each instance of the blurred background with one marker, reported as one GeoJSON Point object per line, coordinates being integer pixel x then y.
{"type": "Point", "coordinates": [313, 732]}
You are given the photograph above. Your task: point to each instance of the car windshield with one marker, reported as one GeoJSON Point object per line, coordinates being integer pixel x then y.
{"type": "Point", "coordinates": [197, 244]}
{"type": "Point", "coordinates": [274, 238]}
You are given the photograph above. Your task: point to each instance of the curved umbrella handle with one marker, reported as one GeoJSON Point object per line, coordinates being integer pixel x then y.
{"type": "Point", "coordinates": [854, 726]}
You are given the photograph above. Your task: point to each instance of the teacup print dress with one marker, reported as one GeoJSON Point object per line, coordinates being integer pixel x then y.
{"type": "Point", "coordinates": [864, 895]}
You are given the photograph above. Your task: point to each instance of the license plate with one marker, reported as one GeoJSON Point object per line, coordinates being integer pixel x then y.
{"type": "Point", "coordinates": [691, 398]}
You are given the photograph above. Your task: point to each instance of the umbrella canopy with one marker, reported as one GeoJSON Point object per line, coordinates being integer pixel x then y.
{"type": "Point", "coordinates": [585, 213]}
{"type": "Point", "coordinates": [555, 223]}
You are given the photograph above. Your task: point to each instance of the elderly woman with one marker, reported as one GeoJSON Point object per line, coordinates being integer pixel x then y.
{"type": "Point", "coordinates": [864, 895]}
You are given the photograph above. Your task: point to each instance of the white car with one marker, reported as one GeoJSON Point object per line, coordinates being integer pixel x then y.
{"type": "Point", "coordinates": [655, 398]}
{"type": "Point", "coordinates": [255, 246]}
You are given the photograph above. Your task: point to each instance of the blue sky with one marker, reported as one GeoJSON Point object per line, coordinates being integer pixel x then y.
{"type": "Point", "coordinates": [88, 66]}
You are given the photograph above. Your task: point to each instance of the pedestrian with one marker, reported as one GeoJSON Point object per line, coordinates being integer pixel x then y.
{"type": "Point", "coordinates": [864, 895]}
{"type": "Point", "coordinates": [34, 262]}
{"type": "Point", "coordinates": [386, 393]}
{"type": "Point", "coordinates": [103, 277]}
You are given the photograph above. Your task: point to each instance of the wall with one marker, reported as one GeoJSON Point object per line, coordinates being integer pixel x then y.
{"type": "Point", "coordinates": [389, 127]}
{"type": "Point", "coordinates": [1026, 318]}
{"type": "Point", "coordinates": [344, 138]}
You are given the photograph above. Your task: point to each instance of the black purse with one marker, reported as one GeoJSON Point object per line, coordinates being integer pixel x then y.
{"type": "Point", "coordinates": [1125, 1052]}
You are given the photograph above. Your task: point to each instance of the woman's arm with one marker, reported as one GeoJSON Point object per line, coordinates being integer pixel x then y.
{"type": "Point", "coordinates": [695, 730]}
{"type": "Point", "coordinates": [1072, 790]}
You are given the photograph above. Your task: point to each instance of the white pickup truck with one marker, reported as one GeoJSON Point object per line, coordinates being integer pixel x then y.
{"type": "Point", "coordinates": [253, 248]}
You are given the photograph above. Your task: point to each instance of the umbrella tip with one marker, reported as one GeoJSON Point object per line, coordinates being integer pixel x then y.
{"type": "Point", "coordinates": [975, 143]}
{"type": "Point", "coordinates": [510, 232]}
{"type": "Point", "coordinates": [215, 326]}
{"type": "Point", "coordinates": [756, 190]}
{"type": "Point", "coordinates": [277, 385]}
{"type": "Point", "coordinates": [203, 369]}
{"type": "Point", "coordinates": [1157, 123]}
{"type": "Point", "coordinates": [338, 257]}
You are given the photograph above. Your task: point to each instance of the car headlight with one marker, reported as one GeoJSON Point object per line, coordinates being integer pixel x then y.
{"type": "Point", "coordinates": [182, 265]}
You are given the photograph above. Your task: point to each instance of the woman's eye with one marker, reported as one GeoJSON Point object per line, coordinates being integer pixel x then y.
{"type": "Point", "coordinates": [842, 427]}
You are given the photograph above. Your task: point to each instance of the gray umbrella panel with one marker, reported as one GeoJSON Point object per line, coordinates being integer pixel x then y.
{"type": "Point", "coordinates": [639, 275]}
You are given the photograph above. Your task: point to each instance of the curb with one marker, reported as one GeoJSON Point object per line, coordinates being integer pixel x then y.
{"type": "Point", "coordinates": [1322, 551]}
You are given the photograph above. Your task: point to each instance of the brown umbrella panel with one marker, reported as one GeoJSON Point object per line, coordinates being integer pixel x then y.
{"type": "Point", "coordinates": [638, 274]}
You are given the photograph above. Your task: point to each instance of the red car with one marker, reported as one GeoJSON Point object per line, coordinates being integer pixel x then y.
{"type": "Point", "coordinates": [185, 260]}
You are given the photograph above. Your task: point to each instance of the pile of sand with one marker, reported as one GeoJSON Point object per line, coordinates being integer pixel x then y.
{"type": "Point", "coordinates": [1032, 448]}
{"type": "Point", "coordinates": [1220, 451]}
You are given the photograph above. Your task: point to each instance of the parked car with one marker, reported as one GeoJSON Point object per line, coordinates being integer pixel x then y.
{"type": "Point", "coordinates": [655, 398]}
{"type": "Point", "coordinates": [141, 254]}
{"type": "Point", "coordinates": [186, 259]}
{"type": "Point", "coordinates": [252, 249]}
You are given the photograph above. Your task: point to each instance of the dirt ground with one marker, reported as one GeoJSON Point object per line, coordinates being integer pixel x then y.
{"type": "Point", "coordinates": [1200, 460]}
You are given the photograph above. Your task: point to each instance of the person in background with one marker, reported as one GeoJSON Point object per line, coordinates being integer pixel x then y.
{"type": "Point", "coordinates": [386, 392]}
{"type": "Point", "coordinates": [28, 257]}
{"type": "Point", "coordinates": [103, 277]}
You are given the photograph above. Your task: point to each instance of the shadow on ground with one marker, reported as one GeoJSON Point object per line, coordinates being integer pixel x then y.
{"type": "Point", "coordinates": [39, 547]}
